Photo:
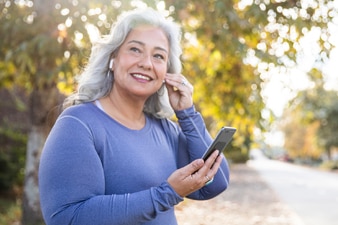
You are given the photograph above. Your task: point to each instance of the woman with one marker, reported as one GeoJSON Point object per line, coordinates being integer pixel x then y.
{"type": "Point", "coordinates": [114, 157]}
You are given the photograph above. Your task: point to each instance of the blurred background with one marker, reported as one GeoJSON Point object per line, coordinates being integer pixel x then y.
{"type": "Point", "coordinates": [266, 67]}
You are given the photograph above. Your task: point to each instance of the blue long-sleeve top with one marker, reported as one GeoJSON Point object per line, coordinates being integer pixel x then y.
{"type": "Point", "coordinates": [95, 171]}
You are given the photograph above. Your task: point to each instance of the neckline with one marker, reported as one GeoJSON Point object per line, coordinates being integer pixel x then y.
{"type": "Point", "coordinates": [99, 106]}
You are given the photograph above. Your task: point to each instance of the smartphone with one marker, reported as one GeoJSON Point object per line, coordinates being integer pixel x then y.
{"type": "Point", "coordinates": [222, 139]}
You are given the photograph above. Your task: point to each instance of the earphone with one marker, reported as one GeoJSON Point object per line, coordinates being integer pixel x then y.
{"type": "Point", "coordinates": [111, 63]}
{"type": "Point", "coordinates": [110, 68]}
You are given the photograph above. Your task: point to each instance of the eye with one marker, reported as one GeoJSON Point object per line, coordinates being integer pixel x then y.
{"type": "Point", "coordinates": [134, 49]}
{"type": "Point", "coordinates": [159, 56]}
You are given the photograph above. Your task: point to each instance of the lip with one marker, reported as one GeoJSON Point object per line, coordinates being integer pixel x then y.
{"type": "Point", "coordinates": [141, 77]}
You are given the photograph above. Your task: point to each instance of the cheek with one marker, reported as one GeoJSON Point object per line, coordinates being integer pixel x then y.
{"type": "Point", "coordinates": [161, 71]}
{"type": "Point", "coordinates": [121, 67]}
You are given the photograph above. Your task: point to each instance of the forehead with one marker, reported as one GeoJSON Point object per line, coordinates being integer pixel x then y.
{"type": "Point", "coordinates": [150, 36]}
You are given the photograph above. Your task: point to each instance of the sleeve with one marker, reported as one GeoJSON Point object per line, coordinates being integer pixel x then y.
{"type": "Point", "coordinates": [72, 184]}
{"type": "Point", "coordinates": [194, 139]}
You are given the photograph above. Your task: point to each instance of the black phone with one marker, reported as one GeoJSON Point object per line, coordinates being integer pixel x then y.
{"type": "Point", "coordinates": [222, 139]}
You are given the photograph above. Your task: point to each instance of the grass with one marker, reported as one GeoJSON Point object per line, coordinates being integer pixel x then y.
{"type": "Point", "coordinates": [10, 211]}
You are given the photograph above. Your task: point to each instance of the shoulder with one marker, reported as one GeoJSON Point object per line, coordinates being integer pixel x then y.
{"type": "Point", "coordinates": [85, 117]}
{"type": "Point", "coordinates": [78, 110]}
{"type": "Point", "coordinates": [84, 112]}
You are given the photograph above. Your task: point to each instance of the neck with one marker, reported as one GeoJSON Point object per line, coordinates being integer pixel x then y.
{"type": "Point", "coordinates": [125, 111]}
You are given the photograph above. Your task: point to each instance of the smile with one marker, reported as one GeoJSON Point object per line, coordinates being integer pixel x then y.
{"type": "Point", "coordinates": [140, 76]}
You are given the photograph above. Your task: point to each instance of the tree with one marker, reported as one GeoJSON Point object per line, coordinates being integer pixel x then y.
{"type": "Point", "coordinates": [300, 137]}
{"type": "Point", "coordinates": [328, 127]}
{"type": "Point", "coordinates": [228, 44]}
{"type": "Point", "coordinates": [30, 38]}
{"type": "Point", "coordinates": [321, 106]}
{"type": "Point", "coordinates": [44, 44]}
{"type": "Point", "coordinates": [314, 113]}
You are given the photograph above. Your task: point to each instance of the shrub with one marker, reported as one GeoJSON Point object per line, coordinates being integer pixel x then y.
{"type": "Point", "coordinates": [12, 159]}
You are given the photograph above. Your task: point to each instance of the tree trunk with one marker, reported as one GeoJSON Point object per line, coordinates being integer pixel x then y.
{"type": "Point", "coordinates": [43, 112]}
{"type": "Point", "coordinates": [43, 99]}
{"type": "Point", "coordinates": [328, 152]}
{"type": "Point", "coordinates": [31, 213]}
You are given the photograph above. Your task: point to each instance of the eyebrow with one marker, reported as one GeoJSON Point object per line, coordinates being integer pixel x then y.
{"type": "Point", "coordinates": [143, 44]}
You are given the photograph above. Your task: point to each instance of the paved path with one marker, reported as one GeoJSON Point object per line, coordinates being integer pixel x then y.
{"type": "Point", "coordinates": [248, 201]}
{"type": "Point", "coordinates": [311, 193]}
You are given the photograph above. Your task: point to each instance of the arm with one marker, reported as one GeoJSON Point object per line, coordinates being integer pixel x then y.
{"type": "Point", "coordinates": [72, 184]}
{"type": "Point", "coordinates": [193, 142]}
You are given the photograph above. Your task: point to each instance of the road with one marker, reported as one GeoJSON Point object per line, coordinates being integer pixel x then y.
{"type": "Point", "coordinates": [310, 193]}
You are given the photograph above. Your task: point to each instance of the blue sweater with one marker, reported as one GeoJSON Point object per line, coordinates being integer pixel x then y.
{"type": "Point", "coordinates": [95, 171]}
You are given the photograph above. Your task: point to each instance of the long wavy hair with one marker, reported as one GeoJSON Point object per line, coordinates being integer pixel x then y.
{"type": "Point", "coordinates": [93, 82]}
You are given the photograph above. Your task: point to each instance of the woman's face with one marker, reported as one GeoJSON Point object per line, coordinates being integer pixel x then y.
{"type": "Point", "coordinates": [141, 62]}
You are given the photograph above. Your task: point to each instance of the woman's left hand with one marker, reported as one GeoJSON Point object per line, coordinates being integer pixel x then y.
{"type": "Point", "coordinates": [195, 175]}
{"type": "Point", "coordinates": [179, 91]}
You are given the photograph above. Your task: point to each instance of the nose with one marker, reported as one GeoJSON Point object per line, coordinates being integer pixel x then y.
{"type": "Point", "coordinates": [145, 62]}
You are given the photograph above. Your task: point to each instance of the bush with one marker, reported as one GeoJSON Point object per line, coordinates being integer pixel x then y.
{"type": "Point", "coordinates": [330, 165]}
{"type": "Point", "coordinates": [236, 155]}
{"type": "Point", "coordinates": [12, 159]}
{"type": "Point", "coordinates": [10, 211]}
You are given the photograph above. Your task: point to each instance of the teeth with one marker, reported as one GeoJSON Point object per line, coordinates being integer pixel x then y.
{"type": "Point", "coordinates": [141, 76]}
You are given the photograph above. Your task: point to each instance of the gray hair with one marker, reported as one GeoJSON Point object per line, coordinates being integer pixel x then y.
{"type": "Point", "coordinates": [94, 83]}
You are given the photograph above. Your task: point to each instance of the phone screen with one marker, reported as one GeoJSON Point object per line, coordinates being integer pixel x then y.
{"type": "Point", "coordinates": [222, 139]}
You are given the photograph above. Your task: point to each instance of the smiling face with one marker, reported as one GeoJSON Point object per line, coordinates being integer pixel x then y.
{"type": "Point", "coordinates": [141, 62]}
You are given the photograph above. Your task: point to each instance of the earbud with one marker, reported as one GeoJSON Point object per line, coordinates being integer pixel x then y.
{"type": "Point", "coordinates": [111, 63]}
{"type": "Point", "coordinates": [110, 69]}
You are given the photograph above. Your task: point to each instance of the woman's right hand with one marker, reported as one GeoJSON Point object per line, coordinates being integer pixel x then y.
{"type": "Point", "coordinates": [195, 175]}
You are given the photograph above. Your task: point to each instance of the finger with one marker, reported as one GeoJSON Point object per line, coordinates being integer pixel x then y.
{"type": "Point", "coordinates": [171, 85]}
{"type": "Point", "coordinates": [193, 167]}
{"type": "Point", "coordinates": [183, 181]}
{"type": "Point", "coordinates": [178, 82]}
{"type": "Point", "coordinates": [186, 171]}
{"type": "Point", "coordinates": [211, 165]}
{"type": "Point", "coordinates": [216, 163]}
{"type": "Point", "coordinates": [208, 180]}
{"type": "Point", "coordinates": [213, 170]}
{"type": "Point", "coordinates": [211, 160]}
